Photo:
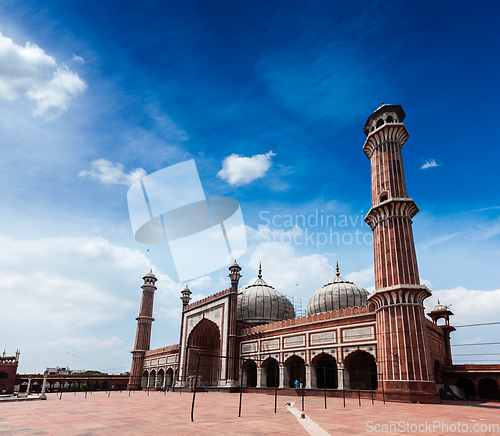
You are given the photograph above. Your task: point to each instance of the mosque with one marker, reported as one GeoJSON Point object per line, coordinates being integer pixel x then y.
{"type": "Point", "coordinates": [351, 340]}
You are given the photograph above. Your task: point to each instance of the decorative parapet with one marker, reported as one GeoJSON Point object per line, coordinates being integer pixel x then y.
{"type": "Point", "coordinates": [208, 299]}
{"type": "Point", "coordinates": [309, 319]}
{"type": "Point", "coordinates": [170, 348]}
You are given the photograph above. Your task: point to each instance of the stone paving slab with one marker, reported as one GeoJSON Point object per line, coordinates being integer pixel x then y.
{"type": "Point", "coordinates": [217, 414]}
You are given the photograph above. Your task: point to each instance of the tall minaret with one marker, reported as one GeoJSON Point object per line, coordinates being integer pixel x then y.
{"type": "Point", "coordinates": [403, 353]}
{"type": "Point", "coordinates": [143, 335]}
{"type": "Point", "coordinates": [234, 275]}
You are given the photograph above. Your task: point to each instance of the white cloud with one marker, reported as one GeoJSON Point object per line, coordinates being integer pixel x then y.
{"type": "Point", "coordinates": [426, 282]}
{"type": "Point", "coordinates": [469, 306]}
{"type": "Point", "coordinates": [76, 58]}
{"type": "Point", "coordinates": [69, 292]}
{"type": "Point", "coordinates": [431, 163]}
{"type": "Point", "coordinates": [362, 278]}
{"type": "Point", "coordinates": [239, 170]}
{"type": "Point", "coordinates": [28, 71]}
{"type": "Point", "coordinates": [289, 272]}
{"type": "Point", "coordinates": [111, 173]}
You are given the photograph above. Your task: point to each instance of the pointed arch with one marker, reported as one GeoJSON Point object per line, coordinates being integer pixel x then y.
{"type": "Point", "coordinates": [324, 371]}
{"type": "Point", "coordinates": [204, 339]}
{"type": "Point", "coordinates": [361, 370]}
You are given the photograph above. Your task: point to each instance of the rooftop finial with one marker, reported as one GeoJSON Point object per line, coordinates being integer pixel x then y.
{"type": "Point", "coordinates": [338, 273]}
{"type": "Point", "coordinates": [438, 301]}
{"type": "Point", "coordinates": [382, 104]}
{"type": "Point", "coordinates": [260, 270]}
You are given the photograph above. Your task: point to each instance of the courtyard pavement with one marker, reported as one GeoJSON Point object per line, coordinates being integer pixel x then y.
{"type": "Point", "coordinates": [217, 414]}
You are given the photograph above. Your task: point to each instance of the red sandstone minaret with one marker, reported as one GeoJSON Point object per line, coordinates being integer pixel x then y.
{"type": "Point", "coordinates": [143, 335]}
{"type": "Point", "coordinates": [403, 353]}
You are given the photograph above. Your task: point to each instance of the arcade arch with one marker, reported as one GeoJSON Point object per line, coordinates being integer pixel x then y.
{"type": "Point", "coordinates": [361, 370]}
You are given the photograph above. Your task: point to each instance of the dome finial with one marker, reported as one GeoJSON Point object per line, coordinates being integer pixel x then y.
{"type": "Point", "coordinates": [438, 301]}
{"type": "Point", "coordinates": [260, 270]}
{"type": "Point", "coordinates": [338, 272]}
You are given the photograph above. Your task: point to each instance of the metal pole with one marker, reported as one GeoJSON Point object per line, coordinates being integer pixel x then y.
{"type": "Point", "coordinates": [303, 379]}
{"type": "Point", "coordinates": [324, 382]}
{"type": "Point", "coordinates": [276, 381]}
{"type": "Point", "coordinates": [194, 387]}
{"type": "Point", "coordinates": [343, 384]}
{"type": "Point", "coordinates": [383, 392]}
{"type": "Point", "coordinates": [241, 386]}
{"type": "Point", "coordinates": [359, 394]}
{"type": "Point", "coordinates": [60, 396]}
{"type": "Point", "coordinates": [371, 389]}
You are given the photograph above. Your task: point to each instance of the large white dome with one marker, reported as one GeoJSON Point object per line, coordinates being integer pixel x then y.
{"type": "Point", "coordinates": [336, 295]}
{"type": "Point", "coordinates": [262, 304]}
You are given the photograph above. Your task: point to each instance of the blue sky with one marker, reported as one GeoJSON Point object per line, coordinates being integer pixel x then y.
{"type": "Point", "coordinates": [114, 90]}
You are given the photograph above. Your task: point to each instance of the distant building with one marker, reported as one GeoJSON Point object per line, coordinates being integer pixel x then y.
{"type": "Point", "coordinates": [8, 370]}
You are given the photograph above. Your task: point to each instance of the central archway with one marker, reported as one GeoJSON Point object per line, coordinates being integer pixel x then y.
{"type": "Point", "coordinates": [204, 339]}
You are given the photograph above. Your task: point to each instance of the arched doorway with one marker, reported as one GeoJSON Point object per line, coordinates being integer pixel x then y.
{"type": "Point", "coordinates": [160, 378]}
{"type": "Point", "coordinates": [249, 374]}
{"type": "Point", "coordinates": [170, 377]}
{"type": "Point", "coordinates": [294, 370]}
{"type": "Point", "coordinates": [270, 373]}
{"type": "Point", "coordinates": [144, 381]}
{"type": "Point", "coordinates": [204, 339]}
{"type": "Point", "coordinates": [468, 386]}
{"type": "Point", "coordinates": [152, 378]}
{"type": "Point", "coordinates": [362, 370]}
{"type": "Point", "coordinates": [324, 372]}
{"type": "Point", "coordinates": [488, 389]}
{"type": "Point", "coordinates": [437, 372]}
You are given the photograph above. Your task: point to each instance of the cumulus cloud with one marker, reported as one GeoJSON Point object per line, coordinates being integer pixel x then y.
{"type": "Point", "coordinates": [71, 293]}
{"type": "Point", "coordinates": [111, 173]}
{"type": "Point", "coordinates": [431, 163]}
{"type": "Point", "coordinates": [31, 73]}
{"type": "Point", "coordinates": [240, 170]}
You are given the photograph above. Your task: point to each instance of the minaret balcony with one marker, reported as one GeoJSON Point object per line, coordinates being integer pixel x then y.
{"type": "Point", "coordinates": [388, 132]}
{"type": "Point", "coordinates": [391, 208]}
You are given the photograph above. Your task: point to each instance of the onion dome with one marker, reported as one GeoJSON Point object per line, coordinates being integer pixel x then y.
{"type": "Point", "coordinates": [262, 304]}
{"type": "Point", "coordinates": [439, 307]}
{"type": "Point", "coordinates": [336, 295]}
{"type": "Point", "coordinates": [150, 274]}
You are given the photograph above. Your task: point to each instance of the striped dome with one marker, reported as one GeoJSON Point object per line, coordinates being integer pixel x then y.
{"type": "Point", "coordinates": [262, 304]}
{"type": "Point", "coordinates": [336, 295]}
